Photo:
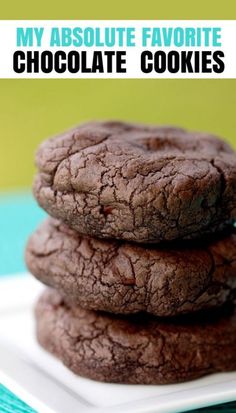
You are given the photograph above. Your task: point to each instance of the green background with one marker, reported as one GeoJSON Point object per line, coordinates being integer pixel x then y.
{"type": "Point", "coordinates": [31, 110]}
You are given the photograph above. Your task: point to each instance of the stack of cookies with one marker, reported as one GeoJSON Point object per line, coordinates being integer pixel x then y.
{"type": "Point", "coordinates": [139, 252]}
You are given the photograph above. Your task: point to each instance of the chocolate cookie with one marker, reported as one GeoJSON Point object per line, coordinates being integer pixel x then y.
{"type": "Point", "coordinates": [138, 183]}
{"type": "Point", "coordinates": [137, 349]}
{"type": "Point", "coordinates": [121, 277]}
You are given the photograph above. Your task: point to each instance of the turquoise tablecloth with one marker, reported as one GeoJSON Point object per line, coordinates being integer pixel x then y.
{"type": "Point", "coordinates": [10, 403]}
{"type": "Point", "coordinates": [19, 216]}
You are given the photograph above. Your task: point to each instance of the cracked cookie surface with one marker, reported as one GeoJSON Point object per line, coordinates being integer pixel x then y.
{"type": "Point", "coordinates": [136, 182]}
{"type": "Point", "coordinates": [122, 277]}
{"type": "Point", "coordinates": [138, 349]}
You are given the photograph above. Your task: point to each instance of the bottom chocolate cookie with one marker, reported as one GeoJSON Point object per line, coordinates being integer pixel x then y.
{"type": "Point", "coordinates": [138, 349]}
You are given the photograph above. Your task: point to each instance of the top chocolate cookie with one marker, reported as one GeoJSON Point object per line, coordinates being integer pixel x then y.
{"type": "Point", "coordinates": [138, 183]}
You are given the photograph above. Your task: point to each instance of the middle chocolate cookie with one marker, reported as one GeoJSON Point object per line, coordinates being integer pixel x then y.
{"type": "Point", "coordinates": [122, 277]}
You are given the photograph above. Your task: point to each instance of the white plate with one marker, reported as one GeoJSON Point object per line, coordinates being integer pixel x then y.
{"type": "Point", "coordinates": [43, 382]}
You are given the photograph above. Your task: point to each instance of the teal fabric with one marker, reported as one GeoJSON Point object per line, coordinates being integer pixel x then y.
{"type": "Point", "coordinates": [222, 408]}
{"type": "Point", "coordinates": [10, 403]}
{"type": "Point", "coordinates": [19, 216]}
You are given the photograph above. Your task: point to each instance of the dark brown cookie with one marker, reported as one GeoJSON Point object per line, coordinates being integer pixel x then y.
{"type": "Point", "coordinates": [138, 183]}
{"type": "Point", "coordinates": [137, 349]}
{"type": "Point", "coordinates": [121, 277]}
